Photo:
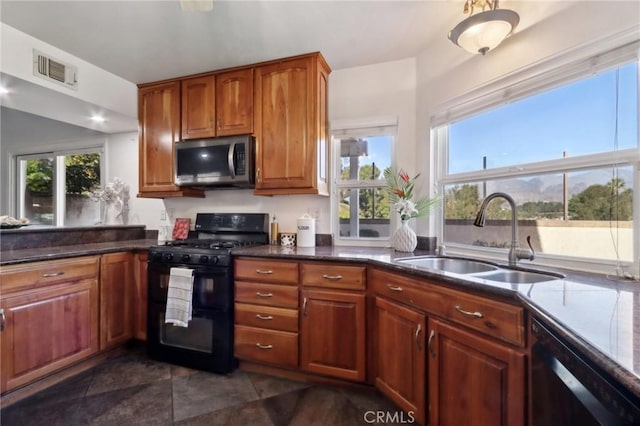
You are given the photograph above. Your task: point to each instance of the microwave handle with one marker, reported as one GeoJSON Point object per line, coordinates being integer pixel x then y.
{"type": "Point", "coordinates": [232, 171]}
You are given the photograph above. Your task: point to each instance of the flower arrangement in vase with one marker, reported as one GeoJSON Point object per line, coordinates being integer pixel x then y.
{"type": "Point", "coordinates": [400, 187]}
{"type": "Point", "coordinates": [115, 195]}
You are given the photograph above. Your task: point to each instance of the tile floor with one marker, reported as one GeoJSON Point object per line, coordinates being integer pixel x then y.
{"type": "Point", "coordinates": [131, 389]}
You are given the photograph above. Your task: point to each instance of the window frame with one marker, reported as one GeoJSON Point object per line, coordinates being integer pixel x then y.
{"type": "Point", "coordinates": [58, 153]}
{"type": "Point", "coordinates": [519, 85]}
{"type": "Point", "coordinates": [381, 126]}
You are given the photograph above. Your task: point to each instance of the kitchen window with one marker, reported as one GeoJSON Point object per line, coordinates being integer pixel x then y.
{"type": "Point", "coordinates": [54, 187]}
{"type": "Point", "coordinates": [564, 144]}
{"type": "Point", "coordinates": [360, 201]}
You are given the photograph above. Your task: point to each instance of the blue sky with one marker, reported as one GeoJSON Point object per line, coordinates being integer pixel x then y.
{"type": "Point", "coordinates": [578, 118]}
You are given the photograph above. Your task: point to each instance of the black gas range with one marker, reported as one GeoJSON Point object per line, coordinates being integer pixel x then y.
{"type": "Point", "coordinates": [207, 342]}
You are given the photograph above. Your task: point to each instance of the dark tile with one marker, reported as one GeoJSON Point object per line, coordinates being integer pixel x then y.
{"type": "Point", "coordinates": [267, 386]}
{"type": "Point", "coordinates": [127, 371]}
{"type": "Point", "coordinates": [39, 412]}
{"type": "Point", "coordinates": [324, 406]}
{"type": "Point", "coordinates": [250, 413]}
{"type": "Point", "coordinates": [203, 392]}
{"type": "Point", "coordinates": [148, 404]}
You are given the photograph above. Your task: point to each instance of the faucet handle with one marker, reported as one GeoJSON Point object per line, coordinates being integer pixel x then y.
{"type": "Point", "coordinates": [533, 252]}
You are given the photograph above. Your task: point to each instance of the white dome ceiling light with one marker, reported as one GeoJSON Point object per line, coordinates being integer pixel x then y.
{"type": "Point", "coordinates": [485, 30]}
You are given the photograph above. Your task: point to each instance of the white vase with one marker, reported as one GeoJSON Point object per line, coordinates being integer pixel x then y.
{"type": "Point", "coordinates": [404, 239]}
{"type": "Point", "coordinates": [112, 214]}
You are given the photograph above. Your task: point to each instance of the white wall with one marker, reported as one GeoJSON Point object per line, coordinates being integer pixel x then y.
{"type": "Point", "coordinates": [445, 71]}
{"type": "Point", "coordinates": [122, 162]}
{"type": "Point", "coordinates": [96, 86]}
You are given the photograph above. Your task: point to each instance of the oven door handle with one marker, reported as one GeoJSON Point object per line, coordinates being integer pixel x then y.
{"type": "Point", "coordinates": [232, 171]}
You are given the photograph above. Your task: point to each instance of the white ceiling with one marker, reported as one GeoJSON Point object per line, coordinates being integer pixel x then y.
{"type": "Point", "coordinates": [145, 41]}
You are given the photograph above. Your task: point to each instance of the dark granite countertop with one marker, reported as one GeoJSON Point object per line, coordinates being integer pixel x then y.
{"type": "Point", "coordinates": [599, 316]}
{"type": "Point", "coordinates": [10, 257]}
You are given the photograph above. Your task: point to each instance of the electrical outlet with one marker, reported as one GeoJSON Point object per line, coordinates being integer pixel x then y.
{"type": "Point", "coordinates": [163, 215]}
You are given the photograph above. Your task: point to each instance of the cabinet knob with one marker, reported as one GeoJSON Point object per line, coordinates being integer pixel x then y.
{"type": "Point", "coordinates": [3, 320]}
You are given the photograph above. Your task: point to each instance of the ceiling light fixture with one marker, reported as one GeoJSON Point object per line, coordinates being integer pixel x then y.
{"type": "Point", "coordinates": [196, 5]}
{"type": "Point", "coordinates": [3, 90]}
{"type": "Point", "coordinates": [485, 30]}
{"type": "Point", "coordinates": [98, 118]}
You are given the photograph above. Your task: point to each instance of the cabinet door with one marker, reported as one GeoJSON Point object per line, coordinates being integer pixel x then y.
{"type": "Point", "coordinates": [47, 330]}
{"type": "Point", "coordinates": [333, 334]}
{"type": "Point", "coordinates": [116, 289]}
{"type": "Point", "coordinates": [473, 380]}
{"type": "Point", "coordinates": [234, 102]}
{"type": "Point", "coordinates": [159, 117]}
{"type": "Point", "coordinates": [284, 108]}
{"type": "Point", "coordinates": [140, 298]}
{"type": "Point", "coordinates": [198, 107]}
{"type": "Point", "coordinates": [401, 359]}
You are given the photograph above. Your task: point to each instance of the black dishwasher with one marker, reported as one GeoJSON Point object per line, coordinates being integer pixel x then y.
{"type": "Point", "coordinates": [567, 389]}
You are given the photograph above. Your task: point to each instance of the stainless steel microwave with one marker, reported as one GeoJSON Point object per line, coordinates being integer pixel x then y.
{"type": "Point", "coordinates": [225, 161]}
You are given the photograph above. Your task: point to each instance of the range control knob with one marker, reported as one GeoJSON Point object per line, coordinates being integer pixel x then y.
{"type": "Point", "coordinates": [204, 259]}
{"type": "Point", "coordinates": [157, 256]}
{"type": "Point", "coordinates": [168, 257]}
{"type": "Point", "coordinates": [214, 259]}
{"type": "Point", "coordinates": [185, 257]}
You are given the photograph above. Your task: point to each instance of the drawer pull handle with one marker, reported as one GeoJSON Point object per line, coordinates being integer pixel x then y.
{"type": "Point", "coordinates": [3, 320]}
{"type": "Point", "coordinates": [264, 317]}
{"type": "Point", "coordinates": [394, 288]}
{"type": "Point", "coordinates": [264, 271]}
{"type": "Point", "coordinates": [469, 314]}
{"type": "Point", "coordinates": [418, 330]}
{"type": "Point", "coordinates": [332, 277]}
{"type": "Point", "coordinates": [264, 346]}
{"type": "Point", "coordinates": [429, 344]}
{"type": "Point", "coordinates": [53, 274]}
{"type": "Point", "coordinates": [264, 294]}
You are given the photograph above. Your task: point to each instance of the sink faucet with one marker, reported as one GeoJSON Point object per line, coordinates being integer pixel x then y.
{"type": "Point", "coordinates": [515, 252]}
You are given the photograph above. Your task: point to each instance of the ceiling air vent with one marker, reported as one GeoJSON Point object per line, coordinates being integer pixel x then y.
{"type": "Point", "coordinates": [54, 70]}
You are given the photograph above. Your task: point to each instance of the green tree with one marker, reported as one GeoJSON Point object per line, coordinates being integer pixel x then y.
{"type": "Point", "coordinates": [83, 173]}
{"type": "Point", "coordinates": [540, 209]}
{"type": "Point", "coordinates": [603, 202]}
{"type": "Point", "coordinates": [40, 175]}
{"type": "Point", "coordinates": [373, 202]}
{"type": "Point", "coordinates": [462, 202]}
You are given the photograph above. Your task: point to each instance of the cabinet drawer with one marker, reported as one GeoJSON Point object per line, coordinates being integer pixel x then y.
{"type": "Point", "coordinates": [263, 270]}
{"type": "Point", "coordinates": [267, 317]}
{"type": "Point", "coordinates": [333, 276]}
{"type": "Point", "coordinates": [38, 274]}
{"type": "Point", "coordinates": [496, 319]}
{"type": "Point", "coordinates": [271, 346]}
{"type": "Point", "coordinates": [267, 294]}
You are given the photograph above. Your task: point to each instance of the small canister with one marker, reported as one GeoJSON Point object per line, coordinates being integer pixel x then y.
{"type": "Point", "coordinates": [306, 231]}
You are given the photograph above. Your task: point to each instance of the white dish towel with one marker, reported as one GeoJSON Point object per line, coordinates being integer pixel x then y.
{"type": "Point", "coordinates": [179, 296]}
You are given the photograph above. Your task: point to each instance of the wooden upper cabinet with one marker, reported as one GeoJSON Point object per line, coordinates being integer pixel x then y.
{"type": "Point", "coordinates": [217, 105]}
{"type": "Point", "coordinates": [290, 124]}
{"type": "Point", "coordinates": [198, 107]}
{"type": "Point", "coordinates": [158, 129]}
{"type": "Point", "coordinates": [234, 102]}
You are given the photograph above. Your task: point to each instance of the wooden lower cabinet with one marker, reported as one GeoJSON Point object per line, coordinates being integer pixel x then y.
{"type": "Point", "coordinates": [140, 297]}
{"type": "Point", "coordinates": [472, 380]}
{"type": "Point", "coordinates": [46, 330]}
{"type": "Point", "coordinates": [332, 335]}
{"type": "Point", "coordinates": [401, 356]}
{"type": "Point", "coordinates": [116, 291]}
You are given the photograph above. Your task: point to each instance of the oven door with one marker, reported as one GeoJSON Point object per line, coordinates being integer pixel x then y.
{"type": "Point", "coordinates": [206, 344]}
{"type": "Point", "coordinates": [212, 286]}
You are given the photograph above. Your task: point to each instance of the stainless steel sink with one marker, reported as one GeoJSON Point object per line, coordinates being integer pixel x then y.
{"type": "Point", "coordinates": [454, 265]}
{"type": "Point", "coordinates": [519, 277]}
